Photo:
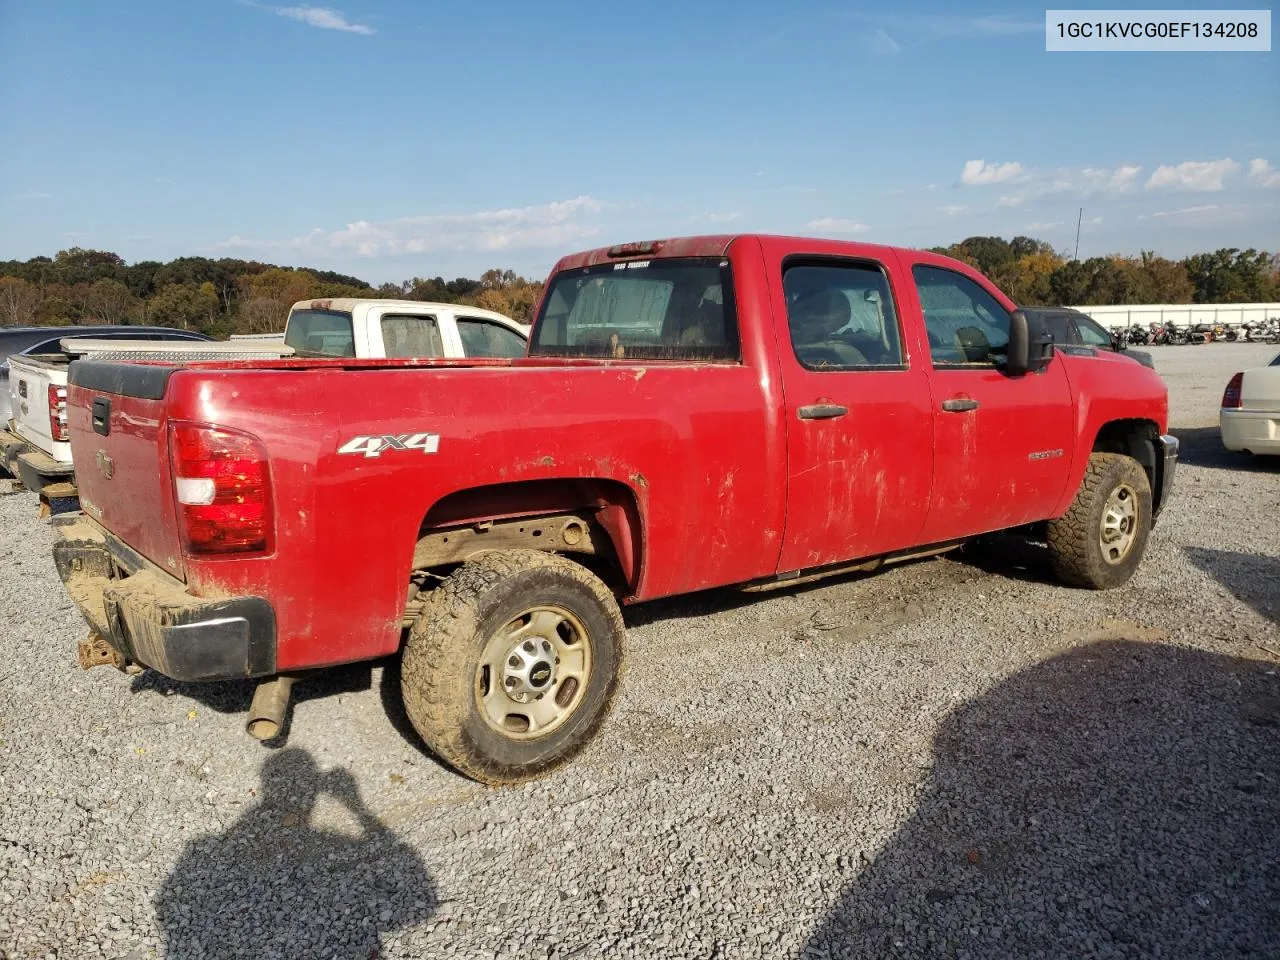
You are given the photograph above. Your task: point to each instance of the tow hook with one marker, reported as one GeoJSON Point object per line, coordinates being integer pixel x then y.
{"type": "Point", "coordinates": [269, 706]}
{"type": "Point", "coordinates": [94, 651]}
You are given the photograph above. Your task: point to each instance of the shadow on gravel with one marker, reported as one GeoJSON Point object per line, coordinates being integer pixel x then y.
{"type": "Point", "coordinates": [1120, 800]}
{"type": "Point", "coordinates": [1252, 579]}
{"type": "Point", "coordinates": [276, 885]}
{"type": "Point", "coordinates": [1011, 556]}
{"type": "Point", "coordinates": [234, 696]}
{"type": "Point", "coordinates": [1202, 447]}
{"type": "Point", "coordinates": [726, 599]}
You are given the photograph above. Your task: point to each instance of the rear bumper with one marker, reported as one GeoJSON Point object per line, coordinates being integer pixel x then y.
{"type": "Point", "coordinates": [149, 618]}
{"type": "Point", "coordinates": [38, 471]}
{"type": "Point", "coordinates": [1257, 431]}
{"type": "Point", "coordinates": [1166, 468]}
{"type": "Point", "coordinates": [11, 446]}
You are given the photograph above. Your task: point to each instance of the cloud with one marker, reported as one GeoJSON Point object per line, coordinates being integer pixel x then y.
{"type": "Point", "coordinates": [933, 26]}
{"type": "Point", "coordinates": [837, 225]}
{"type": "Point", "coordinates": [722, 217]}
{"type": "Point", "coordinates": [323, 18]}
{"type": "Point", "coordinates": [550, 225]}
{"type": "Point", "coordinates": [997, 26]}
{"type": "Point", "coordinates": [884, 44]}
{"type": "Point", "coordinates": [1121, 178]}
{"type": "Point", "coordinates": [1202, 208]}
{"type": "Point", "coordinates": [32, 195]}
{"type": "Point", "coordinates": [952, 209]}
{"type": "Point", "coordinates": [1262, 174]}
{"type": "Point", "coordinates": [1081, 181]}
{"type": "Point", "coordinates": [1037, 225]}
{"type": "Point", "coordinates": [978, 173]}
{"type": "Point", "coordinates": [1194, 175]}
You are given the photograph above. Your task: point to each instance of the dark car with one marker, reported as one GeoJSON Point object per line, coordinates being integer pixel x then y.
{"type": "Point", "coordinates": [1072, 328]}
{"type": "Point", "coordinates": [17, 341]}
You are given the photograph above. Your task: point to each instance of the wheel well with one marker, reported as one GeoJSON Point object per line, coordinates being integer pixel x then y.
{"type": "Point", "coordinates": [1133, 438]}
{"type": "Point", "coordinates": [596, 521]}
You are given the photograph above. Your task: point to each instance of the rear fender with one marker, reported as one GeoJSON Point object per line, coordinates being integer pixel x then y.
{"type": "Point", "coordinates": [608, 510]}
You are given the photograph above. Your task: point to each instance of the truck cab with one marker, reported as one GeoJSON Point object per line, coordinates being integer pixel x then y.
{"type": "Point", "coordinates": [350, 327]}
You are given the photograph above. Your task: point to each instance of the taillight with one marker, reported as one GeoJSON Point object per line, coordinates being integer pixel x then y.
{"type": "Point", "coordinates": [1231, 396]}
{"type": "Point", "coordinates": [223, 489]}
{"type": "Point", "coordinates": [58, 413]}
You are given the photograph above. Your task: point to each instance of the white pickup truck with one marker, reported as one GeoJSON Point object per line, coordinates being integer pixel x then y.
{"type": "Point", "coordinates": [34, 445]}
{"type": "Point", "coordinates": [348, 327]}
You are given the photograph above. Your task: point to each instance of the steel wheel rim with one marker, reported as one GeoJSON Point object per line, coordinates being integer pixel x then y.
{"type": "Point", "coordinates": [1119, 527]}
{"type": "Point", "coordinates": [533, 673]}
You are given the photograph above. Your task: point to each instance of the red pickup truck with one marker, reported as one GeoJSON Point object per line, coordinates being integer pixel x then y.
{"type": "Point", "coordinates": [692, 413]}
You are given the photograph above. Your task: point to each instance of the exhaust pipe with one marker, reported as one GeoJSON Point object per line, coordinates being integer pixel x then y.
{"type": "Point", "coordinates": [269, 706]}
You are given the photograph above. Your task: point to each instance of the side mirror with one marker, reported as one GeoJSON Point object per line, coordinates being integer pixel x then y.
{"type": "Point", "coordinates": [1030, 345]}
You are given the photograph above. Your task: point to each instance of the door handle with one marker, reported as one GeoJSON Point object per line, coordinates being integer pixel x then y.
{"type": "Point", "coordinates": [959, 405]}
{"type": "Point", "coordinates": [822, 411]}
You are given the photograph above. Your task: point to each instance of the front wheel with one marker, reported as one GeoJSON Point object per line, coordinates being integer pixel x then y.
{"type": "Point", "coordinates": [1099, 542]}
{"type": "Point", "coordinates": [512, 665]}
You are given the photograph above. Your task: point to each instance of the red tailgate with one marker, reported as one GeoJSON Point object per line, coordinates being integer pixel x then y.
{"type": "Point", "coordinates": [116, 415]}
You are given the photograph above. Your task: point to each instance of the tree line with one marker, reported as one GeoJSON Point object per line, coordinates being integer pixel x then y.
{"type": "Point", "coordinates": [225, 296]}
{"type": "Point", "coordinates": [1033, 274]}
{"type": "Point", "coordinates": [217, 297]}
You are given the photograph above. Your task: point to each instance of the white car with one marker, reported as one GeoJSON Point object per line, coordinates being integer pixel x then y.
{"type": "Point", "coordinates": [1250, 416]}
{"type": "Point", "coordinates": [346, 327]}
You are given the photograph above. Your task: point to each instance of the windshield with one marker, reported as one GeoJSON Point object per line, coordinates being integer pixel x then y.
{"type": "Point", "coordinates": [325, 332]}
{"type": "Point", "coordinates": [674, 309]}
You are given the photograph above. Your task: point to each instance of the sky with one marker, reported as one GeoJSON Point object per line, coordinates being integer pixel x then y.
{"type": "Point", "coordinates": [397, 138]}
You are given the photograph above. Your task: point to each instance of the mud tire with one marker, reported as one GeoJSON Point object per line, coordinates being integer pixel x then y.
{"type": "Point", "coordinates": [1075, 552]}
{"type": "Point", "coordinates": [442, 656]}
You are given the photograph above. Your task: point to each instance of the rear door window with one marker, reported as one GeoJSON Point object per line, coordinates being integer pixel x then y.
{"type": "Point", "coordinates": [324, 332]}
{"type": "Point", "coordinates": [408, 335]}
{"type": "Point", "coordinates": [841, 316]}
{"type": "Point", "coordinates": [485, 338]}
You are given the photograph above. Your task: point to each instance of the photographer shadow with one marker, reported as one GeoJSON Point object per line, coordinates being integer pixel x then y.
{"type": "Point", "coordinates": [277, 885]}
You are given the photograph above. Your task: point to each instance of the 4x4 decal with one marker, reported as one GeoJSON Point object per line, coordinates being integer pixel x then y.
{"type": "Point", "coordinates": [373, 446]}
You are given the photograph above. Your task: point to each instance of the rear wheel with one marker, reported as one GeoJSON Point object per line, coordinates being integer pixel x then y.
{"type": "Point", "coordinates": [1100, 540]}
{"type": "Point", "coordinates": [512, 665]}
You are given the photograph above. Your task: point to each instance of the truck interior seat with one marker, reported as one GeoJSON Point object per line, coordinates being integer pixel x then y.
{"type": "Point", "coordinates": [706, 327]}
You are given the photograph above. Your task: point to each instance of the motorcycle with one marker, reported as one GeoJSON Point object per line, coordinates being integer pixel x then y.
{"type": "Point", "coordinates": [1262, 331]}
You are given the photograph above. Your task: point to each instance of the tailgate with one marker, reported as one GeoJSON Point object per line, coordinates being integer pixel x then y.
{"type": "Point", "coordinates": [29, 397]}
{"type": "Point", "coordinates": [116, 415]}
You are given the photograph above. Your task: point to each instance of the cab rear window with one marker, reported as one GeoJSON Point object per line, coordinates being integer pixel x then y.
{"type": "Point", "coordinates": [664, 309]}
{"type": "Point", "coordinates": [325, 332]}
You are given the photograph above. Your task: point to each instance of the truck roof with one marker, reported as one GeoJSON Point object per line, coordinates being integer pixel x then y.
{"type": "Point", "coordinates": [348, 304]}
{"type": "Point", "coordinates": [711, 245]}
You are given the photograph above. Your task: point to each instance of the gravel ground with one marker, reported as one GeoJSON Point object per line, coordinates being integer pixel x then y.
{"type": "Point", "coordinates": [954, 758]}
